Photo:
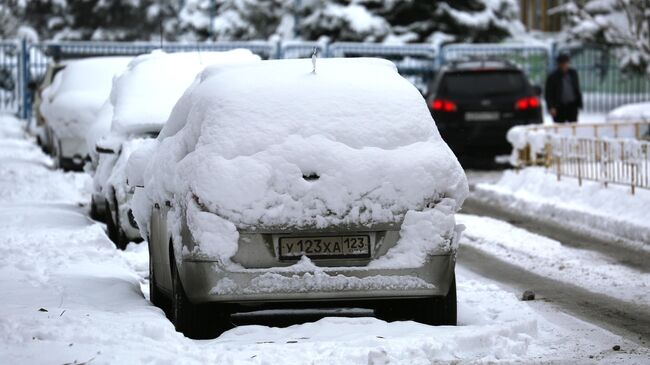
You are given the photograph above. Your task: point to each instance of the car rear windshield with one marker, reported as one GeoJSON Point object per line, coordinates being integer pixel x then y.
{"type": "Point", "coordinates": [483, 83]}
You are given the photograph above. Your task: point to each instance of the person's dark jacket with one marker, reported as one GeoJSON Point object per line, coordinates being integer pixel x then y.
{"type": "Point", "coordinates": [553, 89]}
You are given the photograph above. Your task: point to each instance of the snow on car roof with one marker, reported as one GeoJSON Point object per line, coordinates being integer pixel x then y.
{"type": "Point", "coordinates": [256, 130]}
{"type": "Point", "coordinates": [90, 74]}
{"type": "Point", "coordinates": [78, 92]}
{"type": "Point", "coordinates": [144, 95]}
{"type": "Point", "coordinates": [358, 102]}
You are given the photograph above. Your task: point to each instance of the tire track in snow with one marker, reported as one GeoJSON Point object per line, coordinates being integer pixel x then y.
{"type": "Point", "coordinates": [625, 319]}
{"type": "Point", "coordinates": [623, 254]}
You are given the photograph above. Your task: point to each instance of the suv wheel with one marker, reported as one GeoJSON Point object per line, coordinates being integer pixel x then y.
{"type": "Point", "coordinates": [197, 321]}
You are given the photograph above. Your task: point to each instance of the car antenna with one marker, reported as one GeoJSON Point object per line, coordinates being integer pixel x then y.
{"type": "Point", "coordinates": [313, 59]}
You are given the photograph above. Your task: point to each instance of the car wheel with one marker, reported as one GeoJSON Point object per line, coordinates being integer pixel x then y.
{"type": "Point", "coordinates": [156, 296]}
{"type": "Point", "coordinates": [437, 311]}
{"type": "Point", "coordinates": [197, 321]}
{"type": "Point", "coordinates": [56, 156]}
{"type": "Point", "coordinates": [110, 226]}
{"type": "Point", "coordinates": [94, 212]}
{"type": "Point", "coordinates": [119, 236]}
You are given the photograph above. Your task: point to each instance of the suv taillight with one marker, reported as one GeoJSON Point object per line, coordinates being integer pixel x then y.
{"type": "Point", "coordinates": [443, 105]}
{"type": "Point", "coordinates": [530, 102]}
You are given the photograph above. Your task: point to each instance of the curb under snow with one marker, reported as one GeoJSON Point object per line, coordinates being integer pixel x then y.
{"type": "Point", "coordinates": [596, 224]}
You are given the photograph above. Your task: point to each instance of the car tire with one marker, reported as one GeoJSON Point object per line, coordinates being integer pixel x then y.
{"type": "Point", "coordinates": [94, 212]}
{"type": "Point", "coordinates": [110, 226]}
{"type": "Point", "coordinates": [115, 231]}
{"type": "Point", "coordinates": [156, 297]}
{"type": "Point", "coordinates": [440, 311]}
{"type": "Point", "coordinates": [436, 311]}
{"type": "Point", "coordinates": [196, 321]}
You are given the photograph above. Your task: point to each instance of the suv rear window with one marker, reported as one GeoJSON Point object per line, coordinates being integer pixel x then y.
{"type": "Point", "coordinates": [482, 83]}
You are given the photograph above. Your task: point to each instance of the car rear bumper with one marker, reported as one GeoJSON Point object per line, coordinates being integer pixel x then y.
{"type": "Point", "coordinates": [206, 281]}
{"type": "Point", "coordinates": [478, 137]}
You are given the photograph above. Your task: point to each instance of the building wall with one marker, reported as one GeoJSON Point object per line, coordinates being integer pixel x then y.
{"type": "Point", "coordinates": [534, 15]}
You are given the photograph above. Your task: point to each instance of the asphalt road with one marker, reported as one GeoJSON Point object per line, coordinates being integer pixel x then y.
{"type": "Point", "coordinates": [625, 319]}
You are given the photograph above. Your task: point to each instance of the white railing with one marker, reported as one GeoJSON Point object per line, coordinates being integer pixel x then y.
{"type": "Point", "coordinates": [612, 153]}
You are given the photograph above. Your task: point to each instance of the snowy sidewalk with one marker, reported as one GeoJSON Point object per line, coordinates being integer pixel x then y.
{"type": "Point", "coordinates": [69, 296]}
{"type": "Point", "coordinates": [612, 213]}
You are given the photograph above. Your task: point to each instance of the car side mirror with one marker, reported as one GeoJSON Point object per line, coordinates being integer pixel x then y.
{"type": "Point", "coordinates": [537, 90]}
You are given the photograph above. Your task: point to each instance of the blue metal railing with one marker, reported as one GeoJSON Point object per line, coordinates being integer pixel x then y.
{"type": "Point", "coordinates": [11, 77]}
{"type": "Point", "coordinates": [605, 86]}
{"type": "Point", "coordinates": [534, 60]}
{"type": "Point", "coordinates": [416, 62]}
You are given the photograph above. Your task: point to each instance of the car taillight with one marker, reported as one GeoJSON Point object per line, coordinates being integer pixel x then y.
{"type": "Point", "coordinates": [443, 105]}
{"type": "Point", "coordinates": [530, 102]}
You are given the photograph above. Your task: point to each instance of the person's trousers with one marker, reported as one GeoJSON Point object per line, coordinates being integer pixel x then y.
{"type": "Point", "coordinates": [566, 113]}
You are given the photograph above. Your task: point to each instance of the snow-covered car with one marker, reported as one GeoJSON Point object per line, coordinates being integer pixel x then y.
{"type": "Point", "coordinates": [70, 105]}
{"type": "Point", "coordinates": [41, 130]}
{"type": "Point", "coordinates": [140, 102]}
{"type": "Point", "coordinates": [271, 184]}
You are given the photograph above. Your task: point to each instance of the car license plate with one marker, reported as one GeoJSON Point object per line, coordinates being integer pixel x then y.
{"type": "Point", "coordinates": [481, 116]}
{"type": "Point", "coordinates": [325, 247]}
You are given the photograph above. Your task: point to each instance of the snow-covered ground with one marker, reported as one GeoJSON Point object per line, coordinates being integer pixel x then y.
{"type": "Point", "coordinates": [70, 297]}
{"type": "Point", "coordinates": [612, 212]}
{"type": "Point", "coordinates": [585, 268]}
{"type": "Point", "coordinates": [635, 112]}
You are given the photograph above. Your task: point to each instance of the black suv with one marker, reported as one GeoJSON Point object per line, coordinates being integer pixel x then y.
{"type": "Point", "coordinates": [474, 103]}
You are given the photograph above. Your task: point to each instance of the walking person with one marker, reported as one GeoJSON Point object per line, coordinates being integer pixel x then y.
{"type": "Point", "coordinates": [562, 92]}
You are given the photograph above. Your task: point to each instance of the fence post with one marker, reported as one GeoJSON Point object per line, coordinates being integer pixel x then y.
{"type": "Point", "coordinates": [551, 57]}
{"type": "Point", "coordinates": [25, 76]}
{"type": "Point", "coordinates": [632, 178]}
{"type": "Point", "coordinates": [579, 158]}
{"type": "Point", "coordinates": [440, 57]}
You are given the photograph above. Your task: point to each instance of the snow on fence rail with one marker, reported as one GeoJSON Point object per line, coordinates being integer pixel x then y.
{"type": "Point", "coordinates": [604, 85]}
{"type": "Point", "coordinates": [612, 153]}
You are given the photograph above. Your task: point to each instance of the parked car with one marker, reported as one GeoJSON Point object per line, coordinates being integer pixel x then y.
{"type": "Point", "coordinates": [476, 102]}
{"type": "Point", "coordinates": [70, 104]}
{"type": "Point", "coordinates": [275, 185]}
{"type": "Point", "coordinates": [141, 100]}
{"type": "Point", "coordinates": [42, 131]}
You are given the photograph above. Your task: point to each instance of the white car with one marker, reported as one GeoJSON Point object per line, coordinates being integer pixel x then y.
{"type": "Point", "coordinates": [70, 104]}
{"type": "Point", "coordinates": [273, 184]}
{"type": "Point", "coordinates": [140, 102]}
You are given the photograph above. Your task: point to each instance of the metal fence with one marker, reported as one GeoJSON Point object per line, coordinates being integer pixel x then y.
{"type": "Point", "coordinates": [610, 161]}
{"type": "Point", "coordinates": [604, 85]}
{"type": "Point", "coordinates": [534, 60]}
{"type": "Point", "coordinates": [11, 80]}
{"type": "Point", "coordinates": [613, 153]}
{"type": "Point", "coordinates": [416, 62]}
{"type": "Point", "coordinates": [302, 49]}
